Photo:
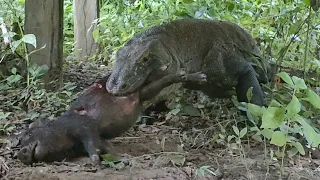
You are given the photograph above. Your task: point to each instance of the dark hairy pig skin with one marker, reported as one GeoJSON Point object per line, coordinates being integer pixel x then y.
{"type": "Point", "coordinates": [95, 115]}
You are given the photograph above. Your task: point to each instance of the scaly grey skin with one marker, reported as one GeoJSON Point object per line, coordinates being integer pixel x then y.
{"type": "Point", "coordinates": [226, 53]}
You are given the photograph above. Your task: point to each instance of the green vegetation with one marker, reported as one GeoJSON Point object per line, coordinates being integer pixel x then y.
{"type": "Point", "coordinates": [288, 33]}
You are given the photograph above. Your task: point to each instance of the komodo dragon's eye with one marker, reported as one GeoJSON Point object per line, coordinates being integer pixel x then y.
{"type": "Point", "coordinates": [145, 59]}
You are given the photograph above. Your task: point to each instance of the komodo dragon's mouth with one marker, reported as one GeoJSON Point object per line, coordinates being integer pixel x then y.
{"type": "Point", "coordinates": [125, 89]}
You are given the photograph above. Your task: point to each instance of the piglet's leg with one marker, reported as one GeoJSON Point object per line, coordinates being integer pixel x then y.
{"type": "Point", "coordinates": [91, 143]}
{"type": "Point", "coordinates": [155, 87]}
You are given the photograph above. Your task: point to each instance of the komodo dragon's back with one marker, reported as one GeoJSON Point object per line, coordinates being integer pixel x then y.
{"type": "Point", "coordinates": [222, 50]}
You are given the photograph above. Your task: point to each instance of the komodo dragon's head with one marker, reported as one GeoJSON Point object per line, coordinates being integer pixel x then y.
{"type": "Point", "coordinates": [134, 63]}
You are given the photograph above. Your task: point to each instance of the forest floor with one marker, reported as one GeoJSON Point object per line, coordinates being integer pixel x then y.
{"type": "Point", "coordinates": [170, 149]}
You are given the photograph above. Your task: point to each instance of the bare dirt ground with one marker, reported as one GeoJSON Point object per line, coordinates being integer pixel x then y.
{"type": "Point", "coordinates": [167, 150]}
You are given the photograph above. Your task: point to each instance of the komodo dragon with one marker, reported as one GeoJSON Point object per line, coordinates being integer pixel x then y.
{"type": "Point", "coordinates": [226, 53]}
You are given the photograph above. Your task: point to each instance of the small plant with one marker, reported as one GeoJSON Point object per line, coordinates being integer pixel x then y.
{"type": "Point", "coordinates": [203, 170]}
{"type": "Point", "coordinates": [283, 123]}
{"type": "Point", "coordinates": [238, 144]}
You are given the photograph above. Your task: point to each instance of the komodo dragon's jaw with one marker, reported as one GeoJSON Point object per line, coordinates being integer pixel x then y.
{"type": "Point", "coordinates": [119, 87]}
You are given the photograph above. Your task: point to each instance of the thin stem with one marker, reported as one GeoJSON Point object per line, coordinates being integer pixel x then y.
{"type": "Point", "coordinates": [26, 54]}
{"type": "Point", "coordinates": [307, 43]}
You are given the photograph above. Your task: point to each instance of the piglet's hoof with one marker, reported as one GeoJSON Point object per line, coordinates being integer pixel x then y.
{"type": "Point", "coordinates": [95, 160]}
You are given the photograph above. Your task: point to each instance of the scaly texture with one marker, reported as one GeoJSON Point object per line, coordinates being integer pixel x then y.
{"type": "Point", "coordinates": [226, 53]}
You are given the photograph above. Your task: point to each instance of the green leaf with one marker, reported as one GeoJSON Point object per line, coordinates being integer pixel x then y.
{"type": "Point", "coordinates": [21, 2]}
{"type": "Point", "coordinates": [293, 151]}
{"type": "Point", "coordinates": [187, 1]}
{"type": "Point", "coordinates": [13, 78]}
{"type": "Point", "coordinates": [257, 138]}
{"type": "Point", "coordinates": [318, 63]}
{"type": "Point", "coordinates": [256, 110]}
{"type": "Point", "coordinates": [4, 115]}
{"type": "Point", "coordinates": [299, 148]}
{"type": "Point", "coordinates": [175, 111]}
{"type": "Point", "coordinates": [109, 158]}
{"type": "Point", "coordinates": [249, 94]}
{"type": "Point", "coordinates": [285, 76]}
{"type": "Point", "coordinates": [235, 130]}
{"type": "Point", "coordinates": [15, 44]}
{"type": "Point", "coordinates": [272, 117]}
{"type": "Point", "coordinates": [311, 136]}
{"type": "Point", "coordinates": [275, 103]}
{"type": "Point", "coordinates": [178, 160]}
{"type": "Point", "coordinates": [243, 132]}
{"type": "Point", "coordinates": [278, 138]}
{"type": "Point", "coordinates": [267, 133]}
{"type": "Point", "coordinates": [230, 138]}
{"type": "Point", "coordinates": [201, 11]}
{"type": "Point", "coordinates": [299, 83]}
{"type": "Point", "coordinates": [293, 107]}
{"type": "Point", "coordinates": [313, 98]}
{"type": "Point", "coordinates": [306, 2]}
{"type": "Point", "coordinates": [95, 34]}
{"type": "Point", "coordinates": [30, 39]}
{"type": "Point", "coordinates": [14, 71]}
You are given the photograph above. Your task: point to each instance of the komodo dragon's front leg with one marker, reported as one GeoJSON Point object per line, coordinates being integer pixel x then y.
{"type": "Point", "coordinates": [246, 80]}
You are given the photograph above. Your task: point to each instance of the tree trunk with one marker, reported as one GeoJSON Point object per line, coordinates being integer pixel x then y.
{"type": "Point", "coordinates": [44, 19]}
{"type": "Point", "coordinates": [85, 12]}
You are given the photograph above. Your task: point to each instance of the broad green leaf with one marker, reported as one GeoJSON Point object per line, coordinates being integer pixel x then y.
{"type": "Point", "coordinates": [285, 76]}
{"type": "Point", "coordinates": [293, 151]}
{"type": "Point", "coordinates": [243, 132]}
{"type": "Point", "coordinates": [278, 138]}
{"type": "Point", "coordinates": [272, 117]}
{"type": "Point", "coordinates": [15, 44]}
{"type": "Point", "coordinates": [14, 78]}
{"type": "Point", "coordinates": [257, 138]}
{"type": "Point", "coordinates": [256, 110]}
{"type": "Point", "coordinates": [306, 2]}
{"type": "Point", "coordinates": [313, 98]}
{"type": "Point", "coordinates": [299, 147]}
{"type": "Point", "coordinates": [293, 107]}
{"type": "Point", "coordinates": [30, 39]}
{"type": "Point", "coordinates": [235, 130]}
{"type": "Point", "coordinates": [267, 133]}
{"type": "Point", "coordinates": [275, 103]}
{"type": "Point", "coordinates": [311, 136]}
{"type": "Point", "coordinates": [299, 83]}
